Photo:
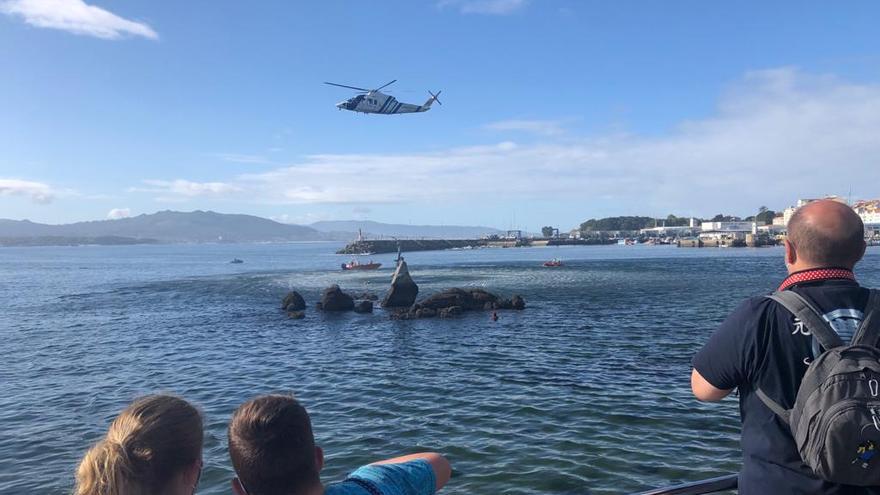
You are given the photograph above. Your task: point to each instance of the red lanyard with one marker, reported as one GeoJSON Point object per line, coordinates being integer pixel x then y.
{"type": "Point", "coordinates": [817, 274]}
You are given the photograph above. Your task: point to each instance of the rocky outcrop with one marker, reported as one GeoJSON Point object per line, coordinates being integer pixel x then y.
{"type": "Point", "coordinates": [517, 302]}
{"type": "Point", "coordinates": [403, 290]}
{"type": "Point", "coordinates": [454, 302]}
{"type": "Point", "coordinates": [450, 312]}
{"type": "Point", "coordinates": [296, 315]}
{"type": "Point", "coordinates": [333, 299]}
{"type": "Point", "coordinates": [468, 300]}
{"type": "Point", "coordinates": [363, 307]}
{"type": "Point", "coordinates": [365, 296]}
{"type": "Point", "coordinates": [293, 301]}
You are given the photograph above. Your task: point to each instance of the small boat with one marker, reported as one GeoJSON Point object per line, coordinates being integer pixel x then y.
{"type": "Point", "coordinates": [356, 265]}
{"type": "Point", "coordinates": [553, 263]}
{"type": "Point", "coordinates": [236, 261]}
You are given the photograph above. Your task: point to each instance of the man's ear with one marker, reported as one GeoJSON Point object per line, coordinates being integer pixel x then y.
{"type": "Point", "coordinates": [237, 488]}
{"type": "Point", "coordinates": [319, 458]}
{"type": "Point", "coordinates": [790, 253]}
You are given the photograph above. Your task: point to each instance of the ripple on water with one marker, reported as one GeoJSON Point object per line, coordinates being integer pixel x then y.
{"type": "Point", "coordinates": [584, 392]}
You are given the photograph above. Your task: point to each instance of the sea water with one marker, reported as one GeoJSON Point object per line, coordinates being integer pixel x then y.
{"type": "Point", "coordinates": [585, 391]}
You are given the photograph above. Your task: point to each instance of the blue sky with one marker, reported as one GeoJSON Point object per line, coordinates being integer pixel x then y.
{"type": "Point", "coordinates": [553, 111]}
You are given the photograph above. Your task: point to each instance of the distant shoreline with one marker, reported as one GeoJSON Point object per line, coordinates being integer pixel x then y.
{"type": "Point", "coordinates": [64, 241]}
{"type": "Point", "coordinates": [38, 241]}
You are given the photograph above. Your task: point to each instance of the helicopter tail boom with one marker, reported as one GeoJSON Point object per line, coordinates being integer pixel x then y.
{"type": "Point", "coordinates": [431, 100]}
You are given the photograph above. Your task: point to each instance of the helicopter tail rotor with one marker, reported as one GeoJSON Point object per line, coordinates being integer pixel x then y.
{"type": "Point", "coordinates": [434, 98]}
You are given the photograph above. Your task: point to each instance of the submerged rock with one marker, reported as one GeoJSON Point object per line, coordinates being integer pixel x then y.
{"type": "Point", "coordinates": [451, 312]}
{"type": "Point", "coordinates": [333, 299]}
{"type": "Point", "coordinates": [425, 313]}
{"type": "Point", "coordinates": [293, 301]}
{"type": "Point", "coordinates": [518, 302]}
{"type": "Point", "coordinates": [403, 290]}
{"type": "Point", "coordinates": [365, 296]}
{"type": "Point", "coordinates": [296, 315]}
{"type": "Point", "coordinates": [469, 300]}
{"type": "Point", "coordinates": [363, 307]}
{"type": "Point", "coordinates": [403, 315]}
{"type": "Point", "coordinates": [455, 301]}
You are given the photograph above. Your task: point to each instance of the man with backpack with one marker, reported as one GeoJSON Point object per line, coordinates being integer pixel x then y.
{"type": "Point", "coordinates": [806, 363]}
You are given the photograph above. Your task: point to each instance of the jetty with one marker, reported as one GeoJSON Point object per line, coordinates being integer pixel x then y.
{"type": "Point", "coordinates": [378, 246]}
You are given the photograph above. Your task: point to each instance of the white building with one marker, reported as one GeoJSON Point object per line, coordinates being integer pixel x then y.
{"type": "Point", "coordinates": [728, 230]}
{"type": "Point", "coordinates": [772, 230]}
{"type": "Point", "coordinates": [786, 215]}
{"type": "Point", "coordinates": [869, 211]}
{"type": "Point", "coordinates": [682, 231]}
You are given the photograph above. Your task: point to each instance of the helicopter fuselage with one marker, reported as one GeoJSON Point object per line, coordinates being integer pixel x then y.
{"type": "Point", "coordinates": [377, 102]}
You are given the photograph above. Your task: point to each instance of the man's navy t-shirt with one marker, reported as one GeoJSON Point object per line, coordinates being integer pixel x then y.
{"type": "Point", "coordinates": [763, 344]}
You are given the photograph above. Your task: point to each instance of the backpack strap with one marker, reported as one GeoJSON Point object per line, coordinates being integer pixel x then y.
{"type": "Point", "coordinates": [819, 328]}
{"type": "Point", "coordinates": [869, 331]}
{"type": "Point", "coordinates": [774, 406]}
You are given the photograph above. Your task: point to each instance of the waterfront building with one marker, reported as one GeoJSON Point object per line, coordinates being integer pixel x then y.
{"type": "Point", "coordinates": [682, 231]}
{"type": "Point", "coordinates": [779, 220]}
{"type": "Point", "coordinates": [786, 215]}
{"type": "Point", "coordinates": [773, 231]}
{"type": "Point", "coordinates": [868, 210]}
{"type": "Point", "coordinates": [727, 231]}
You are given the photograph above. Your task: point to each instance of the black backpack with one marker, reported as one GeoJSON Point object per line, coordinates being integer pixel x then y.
{"type": "Point", "coordinates": [835, 420]}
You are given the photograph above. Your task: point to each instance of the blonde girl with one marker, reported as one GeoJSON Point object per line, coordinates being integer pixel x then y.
{"type": "Point", "coordinates": [153, 447]}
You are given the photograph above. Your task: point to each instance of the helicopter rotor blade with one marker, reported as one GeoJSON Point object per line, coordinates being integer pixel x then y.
{"type": "Point", "coordinates": [435, 97]}
{"type": "Point", "coordinates": [385, 85]}
{"type": "Point", "coordinates": [349, 87]}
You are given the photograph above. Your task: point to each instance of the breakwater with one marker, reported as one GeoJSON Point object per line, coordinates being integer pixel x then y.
{"type": "Point", "coordinates": [407, 245]}
{"type": "Point", "coordinates": [379, 246]}
{"type": "Point", "coordinates": [748, 241]}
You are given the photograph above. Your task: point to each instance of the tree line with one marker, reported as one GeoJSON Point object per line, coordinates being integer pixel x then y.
{"type": "Point", "coordinates": [633, 223]}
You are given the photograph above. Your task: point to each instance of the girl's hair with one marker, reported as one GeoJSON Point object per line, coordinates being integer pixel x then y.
{"type": "Point", "coordinates": [150, 442]}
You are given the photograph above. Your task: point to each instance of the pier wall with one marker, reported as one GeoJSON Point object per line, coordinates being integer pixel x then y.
{"type": "Point", "coordinates": [407, 245]}
{"type": "Point", "coordinates": [379, 246]}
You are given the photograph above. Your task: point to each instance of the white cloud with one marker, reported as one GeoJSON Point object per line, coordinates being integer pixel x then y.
{"type": "Point", "coordinates": [77, 17]}
{"type": "Point", "coordinates": [242, 158]}
{"type": "Point", "coordinates": [37, 191]}
{"type": "Point", "coordinates": [302, 219]}
{"type": "Point", "coordinates": [540, 127]}
{"type": "Point", "coordinates": [180, 190]}
{"type": "Point", "coordinates": [490, 7]}
{"type": "Point", "coordinates": [777, 135]}
{"type": "Point", "coordinates": [117, 213]}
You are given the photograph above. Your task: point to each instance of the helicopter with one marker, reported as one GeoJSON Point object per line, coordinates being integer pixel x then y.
{"type": "Point", "coordinates": [374, 101]}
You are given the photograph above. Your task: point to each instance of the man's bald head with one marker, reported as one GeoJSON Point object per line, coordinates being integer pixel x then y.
{"type": "Point", "coordinates": [827, 233]}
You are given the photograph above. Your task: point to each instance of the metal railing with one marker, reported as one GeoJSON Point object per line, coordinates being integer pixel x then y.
{"type": "Point", "coordinates": [711, 485]}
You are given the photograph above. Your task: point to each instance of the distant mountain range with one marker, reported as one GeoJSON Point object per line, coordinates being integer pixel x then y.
{"type": "Point", "coordinates": [209, 226]}
{"type": "Point", "coordinates": [171, 227]}
{"type": "Point", "coordinates": [376, 229]}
